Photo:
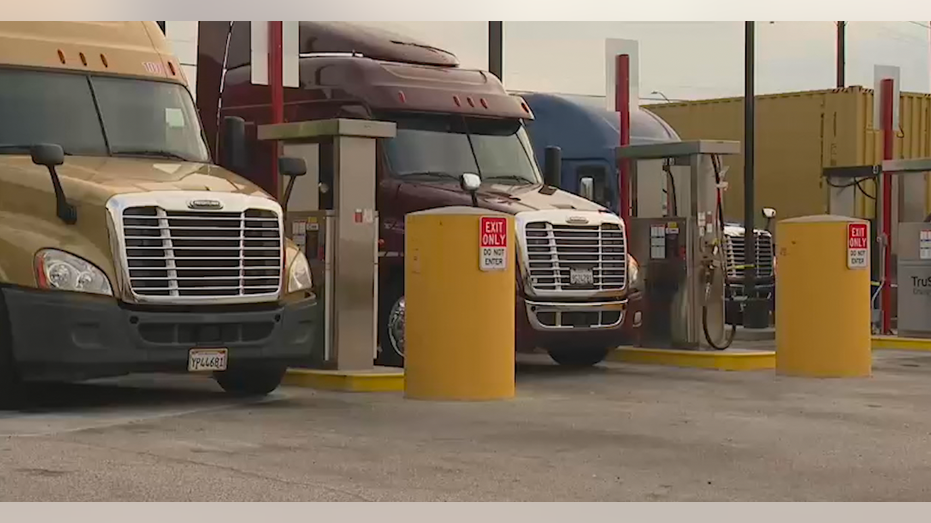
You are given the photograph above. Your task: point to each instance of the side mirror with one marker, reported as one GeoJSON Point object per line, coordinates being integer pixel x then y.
{"type": "Point", "coordinates": [233, 144]}
{"type": "Point", "coordinates": [51, 155]}
{"type": "Point", "coordinates": [769, 213]}
{"type": "Point", "coordinates": [587, 188]}
{"type": "Point", "coordinates": [47, 155]}
{"type": "Point", "coordinates": [470, 182]}
{"type": "Point", "coordinates": [552, 166]}
{"type": "Point", "coordinates": [292, 167]}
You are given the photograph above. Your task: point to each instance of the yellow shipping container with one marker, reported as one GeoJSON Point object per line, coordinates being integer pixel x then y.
{"type": "Point", "coordinates": [798, 134]}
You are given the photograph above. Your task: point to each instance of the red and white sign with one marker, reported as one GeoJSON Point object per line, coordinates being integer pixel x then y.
{"type": "Point", "coordinates": [858, 246]}
{"type": "Point", "coordinates": [290, 53]}
{"type": "Point", "coordinates": [493, 244]}
{"type": "Point", "coordinates": [880, 73]}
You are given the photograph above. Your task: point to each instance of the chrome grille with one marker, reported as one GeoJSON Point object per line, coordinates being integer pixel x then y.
{"type": "Point", "coordinates": [554, 250]}
{"type": "Point", "coordinates": [202, 254]}
{"type": "Point", "coordinates": [737, 255]}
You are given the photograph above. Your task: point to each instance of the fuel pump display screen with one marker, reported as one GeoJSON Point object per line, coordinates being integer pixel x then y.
{"type": "Point", "coordinates": [664, 241]}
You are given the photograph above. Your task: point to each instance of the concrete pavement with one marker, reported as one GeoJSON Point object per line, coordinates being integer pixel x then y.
{"type": "Point", "coordinates": [615, 433]}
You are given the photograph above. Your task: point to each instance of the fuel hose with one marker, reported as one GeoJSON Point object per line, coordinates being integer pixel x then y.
{"type": "Point", "coordinates": [728, 297]}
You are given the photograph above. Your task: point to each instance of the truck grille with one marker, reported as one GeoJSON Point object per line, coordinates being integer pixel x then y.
{"type": "Point", "coordinates": [202, 254]}
{"type": "Point", "coordinates": [737, 255]}
{"type": "Point", "coordinates": [554, 251]}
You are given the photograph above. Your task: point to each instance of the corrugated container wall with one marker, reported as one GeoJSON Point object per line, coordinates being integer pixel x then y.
{"type": "Point", "coordinates": [797, 134]}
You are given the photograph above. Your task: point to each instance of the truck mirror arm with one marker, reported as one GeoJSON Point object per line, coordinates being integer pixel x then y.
{"type": "Point", "coordinates": [470, 182]}
{"type": "Point", "coordinates": [67, 212]}
{"type": "Point", "coordinates": [292, 167]}
{"type": "Point", "coordinates": [50, 156]}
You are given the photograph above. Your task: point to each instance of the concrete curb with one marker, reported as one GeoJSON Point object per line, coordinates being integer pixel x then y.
{"type": "Point", "coordinates": [726, 360]}
{"type": "Point", "coordinates": [377, 380]}
{"type": "Point", "coordinates": [897, 343]}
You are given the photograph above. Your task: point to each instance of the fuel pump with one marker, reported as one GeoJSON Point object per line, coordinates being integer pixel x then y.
{"type": "Point", "coordinates": [677, 229]}
{"type": "Point", "coordinates": [330, 215]}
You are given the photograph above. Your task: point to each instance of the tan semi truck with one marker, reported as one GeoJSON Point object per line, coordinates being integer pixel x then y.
{"type": "Point", "coordinates": [123, 247]}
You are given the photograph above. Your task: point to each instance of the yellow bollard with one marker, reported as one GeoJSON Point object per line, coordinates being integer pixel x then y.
{"type": "Point", "coordinates": [823, 297]}
{"type": "Point", "coordinates": [459, 319]}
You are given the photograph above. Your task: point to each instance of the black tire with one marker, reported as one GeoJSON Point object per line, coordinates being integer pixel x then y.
{"type": "Point", "coordinates": [579, 356]}
{"type": "Point", "coordinates": [389, 354]}
{"type": "Point", "coordinates": [10, 383]}
{"type": "Point", "coordinates": [256, 381]}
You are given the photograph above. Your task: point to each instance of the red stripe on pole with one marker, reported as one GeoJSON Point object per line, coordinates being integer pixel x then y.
{"type": "Point", "coordinates": [622, 106]}
{"type": "Point", "coordinates": [886, 92]}
{"type": "Point", "coordinates": [275, 84]}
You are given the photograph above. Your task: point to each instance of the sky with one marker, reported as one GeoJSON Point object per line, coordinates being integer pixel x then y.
{"type": "Point", "coordinates": [686, 60]}
{"type": "Point", "coordinates": [681, 60]}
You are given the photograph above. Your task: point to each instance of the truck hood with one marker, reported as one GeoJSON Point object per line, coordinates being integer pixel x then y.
{"type": "Point", "coordinates": [94, 180]}
{"type": "Point", "coordinates": [511, 199]}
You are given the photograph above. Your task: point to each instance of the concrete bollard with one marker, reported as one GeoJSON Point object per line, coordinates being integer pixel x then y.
{"type": "Point", "coordinates": [459, 304]}
{"type": "Point", "coordinates": [823, 297]}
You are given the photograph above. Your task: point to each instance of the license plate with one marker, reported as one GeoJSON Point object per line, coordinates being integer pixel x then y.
{"type": "Point", "coordinates": [206, 360]}
{"type": "Point", "coordinates": [579, 276]}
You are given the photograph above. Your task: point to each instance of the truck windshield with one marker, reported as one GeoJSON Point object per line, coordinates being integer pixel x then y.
{"type": "Point", "coordinates": [99, 115]}
{"type": "Point", "coordinates": [439, 146]}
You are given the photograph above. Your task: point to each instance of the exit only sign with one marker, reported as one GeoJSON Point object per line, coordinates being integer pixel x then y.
{"type": "Point", "coordinates": [493, 243]}
{"type": "Point", "coordinates": [858, 246]}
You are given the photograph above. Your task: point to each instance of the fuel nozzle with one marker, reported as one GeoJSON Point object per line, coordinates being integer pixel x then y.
{"type": "Point", "coordinates": [710, 261]}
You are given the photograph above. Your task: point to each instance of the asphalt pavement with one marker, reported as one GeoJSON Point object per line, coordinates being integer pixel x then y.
{"type": "Point", "coordinates": [613, 433]}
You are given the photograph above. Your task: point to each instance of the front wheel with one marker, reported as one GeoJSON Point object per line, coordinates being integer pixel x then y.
{"type": "Point", "coordinates": [579, 356]}
{"type": "Point", "coordinates": [258, 381]}
{"type": "Point", "coordinates": [391, 327]}
{"type": "Point", "coordinates": [10, 384]}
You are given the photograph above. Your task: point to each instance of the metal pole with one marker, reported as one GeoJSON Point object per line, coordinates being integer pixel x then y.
{"type": "Point", "coordinates": [752, 309]}
{"type": "Point", "coordinates": [886, 91]}
{"type": "Point", "coordinates": [496, 49]}
{"type": "Point", "coordinates": [275, 84]}
{"type": "Point", "coordinates": [841, 54]}
{"type": "Point", "coordinates": [622, 106]}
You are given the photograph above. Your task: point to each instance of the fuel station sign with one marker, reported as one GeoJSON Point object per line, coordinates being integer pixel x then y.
{"type": "Point", "coordinates": [858, 246]}
{"type": "Point", "coordinates": [493, 243]}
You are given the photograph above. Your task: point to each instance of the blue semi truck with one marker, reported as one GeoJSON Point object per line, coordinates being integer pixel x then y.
{"type": "Point", "coordinates": [588, 135]}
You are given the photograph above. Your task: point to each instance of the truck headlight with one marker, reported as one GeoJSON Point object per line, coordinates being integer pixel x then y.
{"type": "Point", "coordinates": [299, 277]}
{"type": "Point", "coordinates": [633, 272]}
{"type": "Point", "coordinates": [58, 270]}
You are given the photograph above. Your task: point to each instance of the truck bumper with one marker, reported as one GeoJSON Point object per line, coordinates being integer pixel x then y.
{"type": "Point", "coordinates": [70, 336]}
{"type": "Point", "coordinates": [552, 325]}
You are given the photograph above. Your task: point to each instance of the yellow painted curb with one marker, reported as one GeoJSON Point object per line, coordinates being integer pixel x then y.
{"type": "Point", "coordinates": [897, 343]}
{"type": "Point", "coordinates": [716, 360]}
{"type": "Point", "coordinates": [346, 381]}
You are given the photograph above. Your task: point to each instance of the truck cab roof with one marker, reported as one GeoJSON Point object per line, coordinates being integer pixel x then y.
{"type": "Point", "coordinates": [344, 37]}
{"type": "Point", "coordinates": [116, 48]}
{"type": "Point", "coordinates": [585, 131]}
{"type": "Point", "coordinates": [385, 71]}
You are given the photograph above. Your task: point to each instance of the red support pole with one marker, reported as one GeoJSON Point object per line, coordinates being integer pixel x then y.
{"type": "Point", "coordinates": [622, 106]}
{"type": "Point", "coordinates": [886, 93]}
{"type": "Point", "coordinates": [276, 86]}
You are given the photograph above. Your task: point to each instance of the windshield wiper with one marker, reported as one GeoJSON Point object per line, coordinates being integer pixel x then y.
{"type": "Point", "coordinates": [524, 181]}
{"type": "Point", "coordinates": [433, 174]}
{"type": "Point", "coordinates": [12, 148]}
{"type": "Point", "coordinates": [157, 153]}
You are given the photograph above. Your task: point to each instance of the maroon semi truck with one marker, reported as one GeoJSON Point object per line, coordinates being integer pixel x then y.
{"type": "Point", "coordinates": [577, 288]}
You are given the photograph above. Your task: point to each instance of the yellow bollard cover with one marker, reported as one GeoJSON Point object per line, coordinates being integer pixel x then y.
{"type": "Point", "coordinates": [823, 297]}
{"type": "Point", "coordinates": [459, 304]}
